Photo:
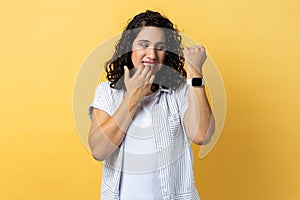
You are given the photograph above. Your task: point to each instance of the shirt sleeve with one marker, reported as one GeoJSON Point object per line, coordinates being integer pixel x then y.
{"type": "Point", "coordinates": [102, 99]}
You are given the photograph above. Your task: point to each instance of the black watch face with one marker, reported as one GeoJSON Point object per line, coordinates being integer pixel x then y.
{"type": "Point", "coordinates": [197, 81]}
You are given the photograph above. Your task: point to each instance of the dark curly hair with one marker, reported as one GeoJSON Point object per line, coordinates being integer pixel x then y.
{"type": "Point", "coordinates": [171, 75]}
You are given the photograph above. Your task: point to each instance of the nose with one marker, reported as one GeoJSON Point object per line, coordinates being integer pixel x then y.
{"type": "Point", "coordinates": [151, 53]}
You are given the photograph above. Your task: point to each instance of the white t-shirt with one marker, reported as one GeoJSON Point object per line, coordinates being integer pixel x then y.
{"type": "Point", "coordinates": [140, 178]}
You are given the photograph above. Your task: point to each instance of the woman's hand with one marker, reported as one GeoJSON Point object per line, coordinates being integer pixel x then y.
{"type": "Point", "coordinates": [195, 57]}
{"type": "Point", "coordinates": [140, 83]}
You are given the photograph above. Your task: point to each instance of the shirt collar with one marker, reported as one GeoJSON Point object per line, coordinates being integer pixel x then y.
{"type": "Point", "coordinates": [162, 89]}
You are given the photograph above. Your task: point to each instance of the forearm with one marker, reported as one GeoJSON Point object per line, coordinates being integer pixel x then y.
{"type": "Point", "coordinates": [198, 119]}
{"type": "Point", "coordinates": [106, 137]}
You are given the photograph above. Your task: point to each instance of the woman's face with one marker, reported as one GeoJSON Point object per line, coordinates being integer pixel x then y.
{"type": "Point", "coordinates": [149, 48]}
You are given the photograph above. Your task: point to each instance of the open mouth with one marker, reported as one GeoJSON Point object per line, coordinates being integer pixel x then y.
{"type": "Point", "coordinates": [150, 64]}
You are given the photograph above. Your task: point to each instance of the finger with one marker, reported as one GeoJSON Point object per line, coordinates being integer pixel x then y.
{"type": "Point", "coordinates": [201, 47]}
{"type": "Point", "coordinates": [145, 71]}
{"type": "Point", "coordinates": [152, 77]}
{"type": "Point", "coordinates": [194, 48]}
{"type": "Point", "coordinates": [186, 53]}
{"type": "Point", "coordinates": [186, 49]}
{"type": "Point", "coordinates": [148, 75]}
{"type": "Point", "coordinates": [138, 71]}
{"type": "Point", "coordinates": [126, 74]}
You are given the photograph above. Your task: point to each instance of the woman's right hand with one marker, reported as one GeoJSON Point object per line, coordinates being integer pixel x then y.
{"type": "Point", "coordinates": [140, 83]}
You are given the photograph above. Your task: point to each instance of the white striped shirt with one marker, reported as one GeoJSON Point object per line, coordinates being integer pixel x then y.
{"type": "Point", "coordinates": [175, 158]}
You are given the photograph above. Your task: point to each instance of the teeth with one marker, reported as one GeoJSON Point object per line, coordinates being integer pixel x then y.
{"type": "Point", "coordinates": [150, 65]}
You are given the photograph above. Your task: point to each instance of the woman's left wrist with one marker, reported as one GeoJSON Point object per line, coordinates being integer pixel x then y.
{"type": "Point", "coordinates": [194, 75]}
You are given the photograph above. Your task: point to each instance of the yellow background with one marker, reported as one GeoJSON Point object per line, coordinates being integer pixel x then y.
{"type": "Point", "coordinates": [255, 45]}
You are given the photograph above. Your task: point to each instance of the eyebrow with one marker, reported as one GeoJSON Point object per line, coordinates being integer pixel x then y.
{"type": "Point", "coordinates": [149, 41]}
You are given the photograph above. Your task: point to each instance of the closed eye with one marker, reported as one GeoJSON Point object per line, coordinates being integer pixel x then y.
{"type": "Point", "coordinates": [143, 45]}
{"type": "Point", "coordinates": [161, 47]}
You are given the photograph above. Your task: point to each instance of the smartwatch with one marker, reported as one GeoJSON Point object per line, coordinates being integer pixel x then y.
{"type": "Point", "coordinates": [195, 82]}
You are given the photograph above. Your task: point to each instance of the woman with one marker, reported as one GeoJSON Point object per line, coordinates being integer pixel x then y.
{"type": "Point", "coordinates": [146, 114]}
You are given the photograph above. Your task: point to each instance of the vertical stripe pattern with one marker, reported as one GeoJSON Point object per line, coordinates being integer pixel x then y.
{"type": "Point", "coordinates": [175, 158]}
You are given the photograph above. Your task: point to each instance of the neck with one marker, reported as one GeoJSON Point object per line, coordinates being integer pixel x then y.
{"type": "Point", "coordinates": [154, 87]}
